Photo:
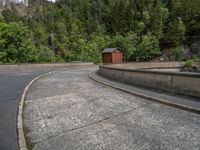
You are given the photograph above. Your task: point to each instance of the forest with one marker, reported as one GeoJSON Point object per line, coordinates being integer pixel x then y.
{"type": "Point", "coordinates": [78, 30]}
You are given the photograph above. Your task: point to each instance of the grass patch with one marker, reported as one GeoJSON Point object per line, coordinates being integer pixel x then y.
{"type": "Point", "coordinates": [29, 144]}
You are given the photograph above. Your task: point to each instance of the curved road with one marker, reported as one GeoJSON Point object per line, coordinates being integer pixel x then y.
{"type": "Point", "coordinates": [68, 110]}
{"type": "Point", "coordinates": [12, 84]}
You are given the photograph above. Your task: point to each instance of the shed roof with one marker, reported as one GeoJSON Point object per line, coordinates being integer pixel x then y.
{"type": "Point", "coordinates": [110, 50]}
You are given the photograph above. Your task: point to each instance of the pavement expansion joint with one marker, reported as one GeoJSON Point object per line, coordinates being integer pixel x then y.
{"type": "Point", "coordinates": [112, 116]}
{"type": "Point", "coordinates": [85, 114]}
{"type": "Point", "coordinates": [96, 122]}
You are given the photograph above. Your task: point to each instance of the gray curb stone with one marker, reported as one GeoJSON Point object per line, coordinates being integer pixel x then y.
{"type": "Point", "coordinates": [21, 137]}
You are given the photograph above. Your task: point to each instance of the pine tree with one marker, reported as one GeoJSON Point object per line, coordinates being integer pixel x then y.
{"type": "Point", "coordinates": [157, 24]}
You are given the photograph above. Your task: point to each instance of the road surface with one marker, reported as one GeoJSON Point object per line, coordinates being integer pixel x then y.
{"type": "Point", "coordinates": [12, 84]}
{"type": "Point", "coordinates": [68, 110]}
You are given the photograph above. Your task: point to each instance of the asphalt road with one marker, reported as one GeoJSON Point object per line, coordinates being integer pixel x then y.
{"type": "Point", "coordinates": [12, 84]}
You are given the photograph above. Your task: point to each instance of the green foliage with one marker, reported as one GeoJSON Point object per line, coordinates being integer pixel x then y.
{"type": "Point", "coordinates": [127, 43]}
{"type": "Point", "coordinates": [16, 43]}
{"type": "Point", "coordinates": [178, 54]}
{"type": "Point", "coordinates": [44, 54]}
{"type": "Point", "coordinates": [157, 20]}
{"type": "Point", "coordinates": [40, 35]}
{"type": "Point", "coordinates": [10, 15]}
{"type": "Point", "coordinates": [189, 63]}
{"type": "Point", "coordinates": [134, 49]}
{"type": "Point", "coordinates": [190, 66]}
{"type": "Point", "coordinates": [194, 48]}
{"type": "Point", "coordinates": [83, 28]}
{"type": "Point", "coordinates": [176, 32]}
{"type": "Point", "coordinates": [147, 49]}
{"type": "Point", "coordinates": [3, 57]}
{"type": "Point", "coordinates": [195, 57]}
{"type": "Point", "coordinates": [88, 50]}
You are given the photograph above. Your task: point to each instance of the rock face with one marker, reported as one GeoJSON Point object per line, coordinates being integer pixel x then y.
{"type": "Point", "coordinates": [190, 69]}
{"type": "Point", "coordinates": [19, 5]}
{"type": "Point", "coordinates": [5, 3]}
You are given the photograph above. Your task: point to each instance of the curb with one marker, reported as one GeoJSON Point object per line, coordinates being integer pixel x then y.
{"type": "Point", "coordinates": [21, 137]}
{"type": "Point", "coordinates": [180, 106]}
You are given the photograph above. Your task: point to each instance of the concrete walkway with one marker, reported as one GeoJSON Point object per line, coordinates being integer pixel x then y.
{"type": "Point", "coordinates": [69, 111]}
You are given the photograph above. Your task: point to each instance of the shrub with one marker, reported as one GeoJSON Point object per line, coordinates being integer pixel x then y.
{"type": "Point", "coordinates": [190, 67]}
{"type": "Point", "coordinates": [127, 43]}
{"type": "Point", "coordinates": [44, 54]}
{"type": "Point", "coordinates": [16, 43]}
{"type": "Point", "coordinates": [194, 48]}
{"type": "Point", "coordinates": [2, 57]}
{"type": "Point", "coordinates": [147, 49]}
{"type": "Point", "coordinates": [178, 54]}
{"type": "Point", "coordinates": [59, 59]}
{"type": "Point", "coordinates": [189, 63]}
{"type": "Point", "coordinates": [82, 49]}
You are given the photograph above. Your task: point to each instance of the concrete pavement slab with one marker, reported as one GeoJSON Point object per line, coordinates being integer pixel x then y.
{"type": "Point", "coordinates": [68, 110]}
{"type": "Point", "coordinates": [140, 129]}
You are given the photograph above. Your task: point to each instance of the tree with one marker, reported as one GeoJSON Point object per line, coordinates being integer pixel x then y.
{"type": "Point", "coordinates": [81, 26]}
{"type": "Point", "coordinates": [147, 49]}
{"type": "Point", "coordinates": [120, 14]}
{"type": "Point", "coordinates": [16, 43]}
{"type": "Point", "coordinates": [10, 15]}
{"type": "Point", "coordinates": [40, 35]}
{"type": "Point", "coordinates": [176, 32]}
{"type": "Point", "coordinates": [174, 27]}
{"type": "Point", "coordinates": [157, 24]}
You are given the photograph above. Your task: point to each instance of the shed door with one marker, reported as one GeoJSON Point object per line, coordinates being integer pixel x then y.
{"type": "Point", "coordinates": [107, 58]}
{"type": "Point", "coordinates": [117, 57]}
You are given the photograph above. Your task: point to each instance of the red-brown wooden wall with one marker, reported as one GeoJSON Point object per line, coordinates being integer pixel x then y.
{"type": "Point", "coordinates": [114, 57]}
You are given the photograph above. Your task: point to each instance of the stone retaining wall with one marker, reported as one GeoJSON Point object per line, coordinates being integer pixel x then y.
{"type": "Point", "coordinates": [173, 82]}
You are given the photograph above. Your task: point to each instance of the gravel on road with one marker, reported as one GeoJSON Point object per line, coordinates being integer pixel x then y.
{"type": "Point", "coordinates": [69, 111]}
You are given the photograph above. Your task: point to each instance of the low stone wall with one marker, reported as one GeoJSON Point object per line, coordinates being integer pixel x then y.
{"type": "Point", "coordinates": [197, 64]}
{"type": "Point", "coordinates": [41, 65]}
{"type": "Point", "coordinates": [144, 65]}
{"type": "Point", "coordinates": [173, 82]}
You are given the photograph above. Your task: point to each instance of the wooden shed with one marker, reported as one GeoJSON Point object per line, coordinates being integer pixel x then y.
{"type": "Point", "coordinates": [112, 55]}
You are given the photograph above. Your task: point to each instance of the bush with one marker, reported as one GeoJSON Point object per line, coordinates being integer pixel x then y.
{"type": "Point", "coordinates": [190, 67]}
{"type": "Point", "coordinates": [3, 57]}
{"type": "Point", "coordinates": [134, 50]}
{"type": "Point", "coordinates": [82, 49]}
{"type": "Point", "coordinates": [147, 49]}
{"type": "Point", "coordinates": [16, 43]}
{"type": "Point", "coordinates": [44, 54]}
{"type": "Point", "coordinates": [127, 43]}
{"type": "Point", "coordinates": [194, 48]}
{"type": "Point", "coordinates": [189, 63]}
{"type": "Point", "coordinates": [178, 54]}
{"type": "Point", "coordinates": [59, 59]}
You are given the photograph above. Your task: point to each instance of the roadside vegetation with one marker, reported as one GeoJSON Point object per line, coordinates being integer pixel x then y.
{"type": "Point", "coordinates": [78, 30]}
{"type": "Point", "coordinates": [190, 66]}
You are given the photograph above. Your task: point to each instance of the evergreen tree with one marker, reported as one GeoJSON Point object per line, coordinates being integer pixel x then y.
{"type": "Point", "coordinates": [157, 24]}
{"type": "Point", "coordinates": [81, 26]}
